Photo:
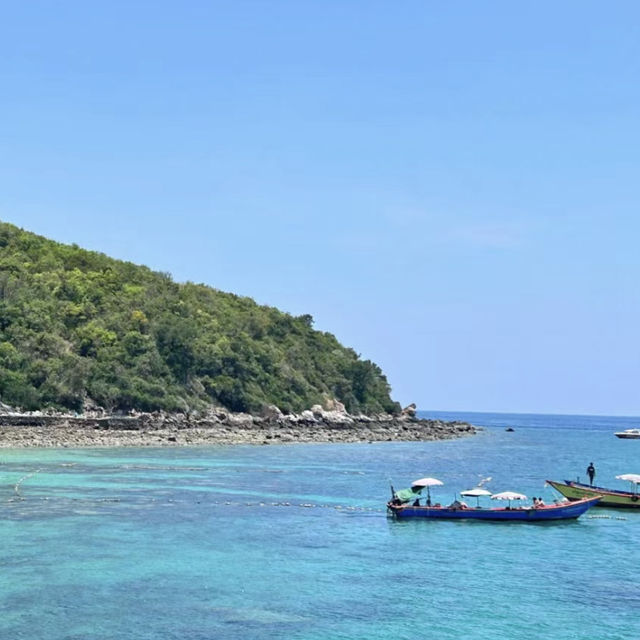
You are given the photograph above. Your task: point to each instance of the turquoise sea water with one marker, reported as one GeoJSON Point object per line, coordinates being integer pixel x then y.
{"type": "Point", "coordinates": [293, 541]}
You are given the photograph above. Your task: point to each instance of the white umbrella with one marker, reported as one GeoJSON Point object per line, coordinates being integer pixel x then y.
{"type": "Point", "coordinates": [633, 478]}
{"type": "Point", "coordinates": [476, 493]}
{"type": "Point", "coordinates": [508, 495]}
{"type": "Point", "coordinates": [427, 482]}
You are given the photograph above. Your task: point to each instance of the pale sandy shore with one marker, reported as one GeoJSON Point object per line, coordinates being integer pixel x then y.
{"type": "Point", "coordinates": [220, 428]}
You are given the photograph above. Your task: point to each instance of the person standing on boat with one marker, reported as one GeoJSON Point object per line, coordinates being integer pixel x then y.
{"type": "Point", "coordinates": [591, 472]}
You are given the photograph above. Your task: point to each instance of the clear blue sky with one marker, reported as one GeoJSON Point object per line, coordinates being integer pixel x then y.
{"type": "Point", "coordinates": [452, 188]}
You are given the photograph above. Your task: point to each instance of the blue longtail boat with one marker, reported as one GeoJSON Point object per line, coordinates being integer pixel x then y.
{"type": "Point", "coordinates": [562, 511]}
{"type": "Point", "coordinates": [400, 507]}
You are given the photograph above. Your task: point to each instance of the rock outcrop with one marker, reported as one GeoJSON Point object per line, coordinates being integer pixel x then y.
{"type": "Point", "coordinates": [410, 410]}
{"type": "Point", "coordinates": [216, 426]}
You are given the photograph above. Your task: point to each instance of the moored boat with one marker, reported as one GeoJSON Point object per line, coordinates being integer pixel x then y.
{"type": "Point", "coordinates": [401, 506]}
{"type": "Point", "coordinates": [629, 434]}
{"type": "Point", "coordinates": [547, 513]}
{"type": "Point", "coordinates": [576, 491]}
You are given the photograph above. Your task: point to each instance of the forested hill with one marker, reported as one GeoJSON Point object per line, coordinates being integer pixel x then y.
{"type": "Point", "coordinates": [78, 328]}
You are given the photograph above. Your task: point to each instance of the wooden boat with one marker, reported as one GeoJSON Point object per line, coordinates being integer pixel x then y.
{"type": "Point", "coordinates": [563, 511]}
{"type": "Point", "coordinates": [628, 434]}
{"type": "Point", "coordinates": [608, 497]}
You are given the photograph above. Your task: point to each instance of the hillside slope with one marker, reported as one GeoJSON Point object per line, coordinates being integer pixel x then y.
{"type": "Point", "coordinates": [78, 328]}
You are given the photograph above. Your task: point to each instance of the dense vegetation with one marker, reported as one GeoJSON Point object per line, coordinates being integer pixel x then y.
{"type": "Point", "coordinates": [78, 327]}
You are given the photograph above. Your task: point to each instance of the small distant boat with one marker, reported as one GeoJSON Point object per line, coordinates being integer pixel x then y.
{"type": "Point", "coordinates": [628, 434]}
{"type": "Point", "coordinates": [399, 507]}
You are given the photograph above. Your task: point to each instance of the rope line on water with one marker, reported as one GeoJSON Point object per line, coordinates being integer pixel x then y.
{"type": "Point", "coordinates": [217, 503]}
{"type": "Point", "coordinates": [232, 503]}
{"type": "Point", "coordinates": [16, 487]}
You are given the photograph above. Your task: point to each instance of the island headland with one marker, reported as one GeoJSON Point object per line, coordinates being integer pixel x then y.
{"type": "Point", "coordinates": [96, 351]}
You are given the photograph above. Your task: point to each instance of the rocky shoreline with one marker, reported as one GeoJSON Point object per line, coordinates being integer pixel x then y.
{"type": "Point", "coordinates": [217, 427]}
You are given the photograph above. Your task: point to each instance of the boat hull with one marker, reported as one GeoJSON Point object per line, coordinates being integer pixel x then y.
{"type": "Point", "coordinates": [628, 436]}
{"type": "Point", "coordinates": [608, 497]}
{"type": "Point", "coordinates": [567, 511]}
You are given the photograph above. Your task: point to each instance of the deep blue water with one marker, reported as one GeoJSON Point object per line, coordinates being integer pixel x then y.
{"type": "Point", "coordinates": [292, 542]}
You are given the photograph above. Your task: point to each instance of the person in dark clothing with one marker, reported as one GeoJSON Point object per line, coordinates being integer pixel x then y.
{"type": "Point", "coordinates": [591, 472]}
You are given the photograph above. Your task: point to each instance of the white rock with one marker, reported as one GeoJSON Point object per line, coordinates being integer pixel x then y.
{"type": "Point", "coordinates": [271, 412]}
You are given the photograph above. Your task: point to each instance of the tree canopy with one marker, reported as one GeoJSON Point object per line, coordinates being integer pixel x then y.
{"type": "Point", "coordinates": [77, 326]}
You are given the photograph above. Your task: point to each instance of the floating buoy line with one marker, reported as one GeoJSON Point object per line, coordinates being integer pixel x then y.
{"type": "Point", "coordinates": [18, 497]}
{"type": "Point", "coordinates": [218, 503]}
{"type": "Point", "coordinates": [231, 503]}
{"type": "Point", "coordinates": [303, 505]}
{"type": "Point", "coordinates": [299, 505]}
{"type": "Point", "coordinates": [16, 486]}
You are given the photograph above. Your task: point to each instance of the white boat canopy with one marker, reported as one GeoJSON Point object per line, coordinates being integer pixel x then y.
{"type": "Point", "coordinates": [508, 495]}
{"type": "Point", "coordinates": [426, 482]}
{"type": "Point", "coordinates": [630, 477]}
{"type": "Point", "coordinates": [476, 493]}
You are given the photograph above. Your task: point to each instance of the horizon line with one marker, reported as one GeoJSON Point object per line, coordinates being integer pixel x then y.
{"type": "Point", "coordinates": [532, 413]}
